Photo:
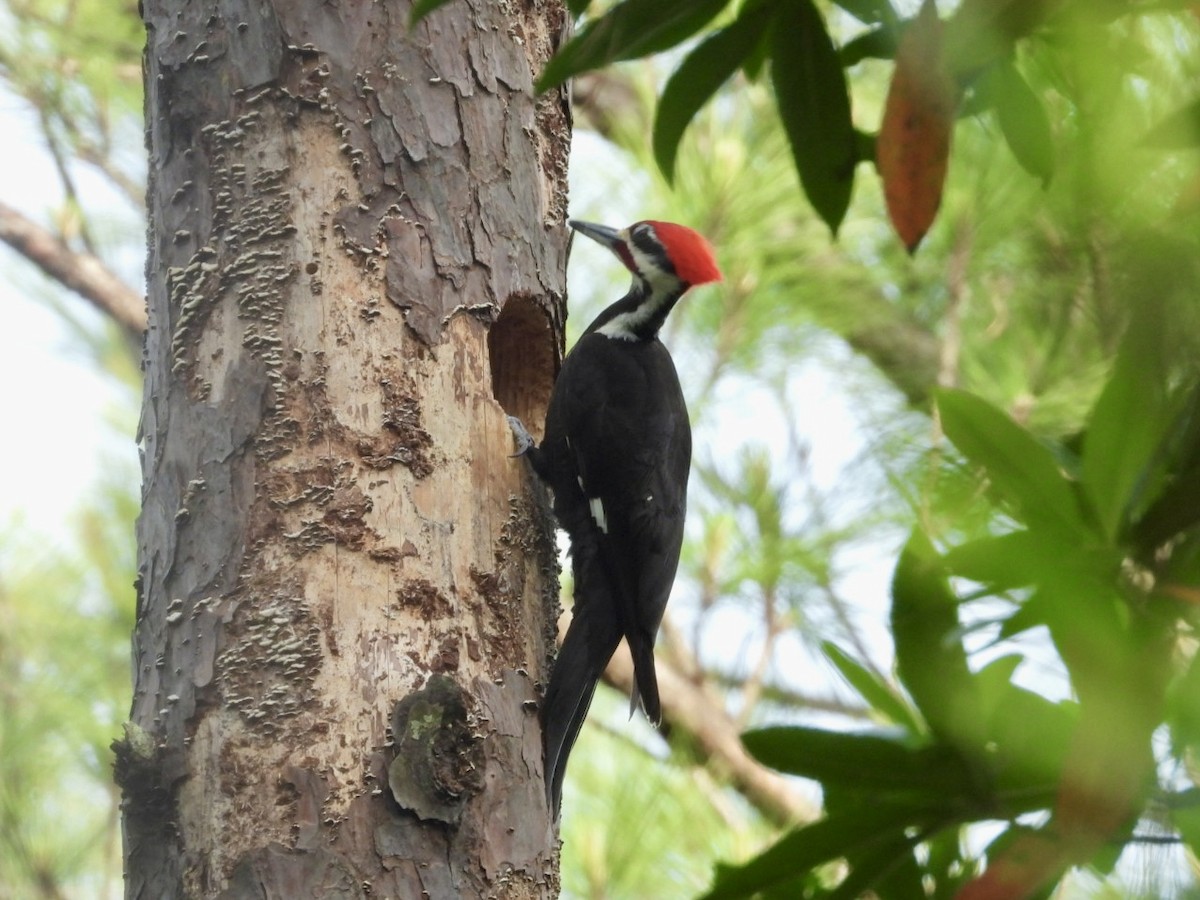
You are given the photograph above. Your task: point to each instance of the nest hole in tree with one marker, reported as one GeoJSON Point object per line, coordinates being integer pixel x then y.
{"type": "Point", "coordinates": [522, 351]}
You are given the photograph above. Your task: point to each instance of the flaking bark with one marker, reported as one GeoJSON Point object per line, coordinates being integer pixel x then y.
{"type": "Point", "coordinates": [341, 212]}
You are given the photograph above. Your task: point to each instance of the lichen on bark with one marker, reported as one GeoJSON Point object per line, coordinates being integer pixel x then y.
{"type": "Point", "coordinates": [439, 763]}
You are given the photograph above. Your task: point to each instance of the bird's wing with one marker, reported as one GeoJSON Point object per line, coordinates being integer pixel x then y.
{"type": "Point", "coordinates": [631, 449]}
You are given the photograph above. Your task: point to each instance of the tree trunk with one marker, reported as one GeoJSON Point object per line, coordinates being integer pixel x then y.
{"type": "Point", "coordinates": [356, 267]}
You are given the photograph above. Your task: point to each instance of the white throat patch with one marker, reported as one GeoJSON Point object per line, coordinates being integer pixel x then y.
{"type": "Point", "coordinates": [627, 325]}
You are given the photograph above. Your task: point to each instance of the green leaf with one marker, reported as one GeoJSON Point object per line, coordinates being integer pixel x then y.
{"type": "Point", "coordinates": [1185, 816]}
{"type": "Point", "coordinates": [1175, 509]}
{"type": "Point", "coordinates": [1027, 737]}
{"type": "Point", "coordinates": [814, 104]}
{"type": "Point", "coordinates": [865, 146]}
{"type": "Point", "coordinates": [752, 66]}
{"type": "Point", "coordinates": [878, 43]}
{"type": "Point", "coordinates": [869, 12]}
{"type": "Point", "coordinates": [1029, 615]}
{"type": "Point", "coordinates": [892, 861]}
{"type": "Point", "coordinates": [1116, 454]}
{"type": "Point", "coordinates": [945, 864]}
{"type": "Point", "coordinates": [1032, 559]}
{"type": "Point", "coordinates": [1183, 710]}
{"type": "Point", "coordinates": [930, 658]}
{"type": "Point", "coordinates": [629, 30]}
{"type": "Point", "coordinates": [881, 696]}
{"type": "Point", "coordinates": [1178, 131]}
{"type": "Point", "coordinates": [808, 885]}
{"type": "Point", "coordinates": [837, 835]}
{"type": "Point", "coordinates": [1023, 119]}
{"type": "Point", "coordinates": [577, 7]}
{"type": "Point", "coordinates": [1020, 468]}
{"type": "Point", "coordinates": [422, 8]}
{"type": "Point", "coordinates": [699, 76]}
{"type": "Point", "coordinates": [860, 761]}
{"type": "Point", "coordinates": [1001, 562]}
{"type": "Point", "coordinates": [995, 679]}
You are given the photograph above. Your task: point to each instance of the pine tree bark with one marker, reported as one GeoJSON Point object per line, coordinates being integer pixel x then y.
{"type": "Point", "coordinates": [356, 268]}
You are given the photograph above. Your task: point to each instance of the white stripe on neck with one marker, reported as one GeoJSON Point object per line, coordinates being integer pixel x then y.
{"type": "Point", "coordinates": [631, 325]}
{"type": "Point", "coordinates": [623, 327]}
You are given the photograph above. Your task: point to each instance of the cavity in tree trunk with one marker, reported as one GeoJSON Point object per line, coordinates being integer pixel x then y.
{"type": "Point", "coordinates": [356, 268]}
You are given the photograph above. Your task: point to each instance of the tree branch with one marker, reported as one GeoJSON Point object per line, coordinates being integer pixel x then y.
{"type": "Point", "coordinates": [904, 351]}
{"type": "Point", "coordinates": [780, 695]}
{"type": "Point", "coordinates": [752, 687]}
{"type": "Point", "coordinates": [64, 173]}
{"type": "Point", "coordinates": [83, 273]}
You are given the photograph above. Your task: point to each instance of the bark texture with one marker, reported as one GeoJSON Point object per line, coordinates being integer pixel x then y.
{"type": "Point", "coordinates": [356, 250]}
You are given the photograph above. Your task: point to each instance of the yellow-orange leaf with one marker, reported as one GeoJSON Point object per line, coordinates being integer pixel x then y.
{"type": "Point", "coordinates": [914, 139]}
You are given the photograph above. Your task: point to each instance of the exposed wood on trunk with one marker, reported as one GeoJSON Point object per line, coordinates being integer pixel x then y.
{"type": "Point", "coordinates": [340, 211]}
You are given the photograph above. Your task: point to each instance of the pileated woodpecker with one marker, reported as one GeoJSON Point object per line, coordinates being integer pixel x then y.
{"type": "Point", "coordinates": [616, 454]}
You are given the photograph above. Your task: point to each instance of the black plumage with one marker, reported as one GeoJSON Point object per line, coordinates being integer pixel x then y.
{"type": "Point", "coordinates": [616, 454]}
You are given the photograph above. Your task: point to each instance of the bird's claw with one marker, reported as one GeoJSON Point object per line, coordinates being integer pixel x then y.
{"type": "Point", "coordinates": [521, 436]}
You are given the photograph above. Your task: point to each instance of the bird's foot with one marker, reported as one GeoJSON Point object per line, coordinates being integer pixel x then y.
{"type": "Point", "coordinates": [521, 435]}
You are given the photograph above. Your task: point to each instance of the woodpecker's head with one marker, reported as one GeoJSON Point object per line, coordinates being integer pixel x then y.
{"type": "Point", "coordinates": [667, 258]}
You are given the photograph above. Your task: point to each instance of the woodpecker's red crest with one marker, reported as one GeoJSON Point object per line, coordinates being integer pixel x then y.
{"type": "Point", "coordinates": [688, 251]}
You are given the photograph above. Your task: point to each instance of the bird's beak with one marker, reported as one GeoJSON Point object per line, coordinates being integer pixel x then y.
{"type": "Point", "coordinates": [602, 234]}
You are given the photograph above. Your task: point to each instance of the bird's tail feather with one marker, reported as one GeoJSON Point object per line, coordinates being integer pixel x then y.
{"type": "Point", "coordinates": [586, 650]}
{"type": "Point", "coordinates": [645, 678]}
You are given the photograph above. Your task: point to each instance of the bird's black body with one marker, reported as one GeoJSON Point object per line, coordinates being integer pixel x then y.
{"type": "Point", "coordinates": [616, 454]}
{"type": "Point", "coordinates": [619, 427]}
